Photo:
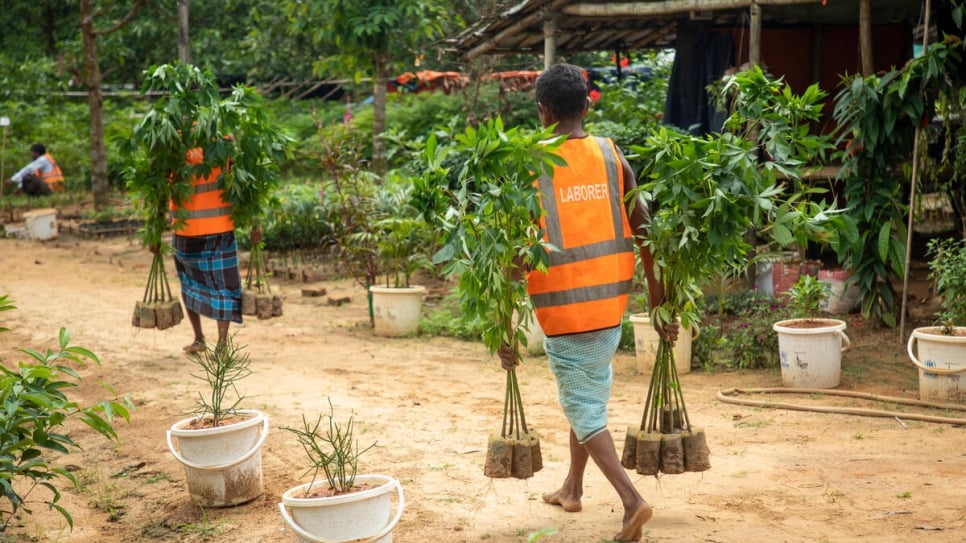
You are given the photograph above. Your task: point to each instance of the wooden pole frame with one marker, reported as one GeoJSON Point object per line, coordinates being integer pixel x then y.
{"type": "Point", "coordinates": [912, 196]}
{"type": "Point", "coordinates": [865, 37]}
{"type": "Point", "coordinates": [549, 40]}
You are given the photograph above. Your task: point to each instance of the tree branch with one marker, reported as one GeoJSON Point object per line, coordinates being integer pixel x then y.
{"type": "Point", "coordinates": [122, 22]}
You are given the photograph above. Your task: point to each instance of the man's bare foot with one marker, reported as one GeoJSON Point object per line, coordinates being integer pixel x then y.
{"type": "Point", "coordinates": [633, 524]}
{"type": "Point", "coordinates": [564, 500]}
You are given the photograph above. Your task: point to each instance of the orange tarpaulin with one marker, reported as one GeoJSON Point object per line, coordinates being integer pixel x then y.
{"type": "Point", "coordinates": [518, 80]}
{"type": "Point", "coordinates": [427, 80]}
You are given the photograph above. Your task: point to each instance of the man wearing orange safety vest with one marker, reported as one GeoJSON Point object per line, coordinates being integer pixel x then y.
{"type": "Point", "coordinates": [580, 300]}
{"type": "Point", "coordinates": [42, 176]}
{"type": "Point", "coordinates": [206, 255]}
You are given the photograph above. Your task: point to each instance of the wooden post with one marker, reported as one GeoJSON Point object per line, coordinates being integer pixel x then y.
{"type": "Point", "coordinates": [184, 46]}
{"type": "Point", "coordinates": [754, 38]}
{"type": "Point", "coordinates": [817, 52]}
{"type": "Point", "coordinates": [865, 37]}
{"type": "Point", "coordinates": [912, 197]}
{"type": "Point", "coordinates": [549, 40]}
{"type": "Point", "coordinates": [754, 59]}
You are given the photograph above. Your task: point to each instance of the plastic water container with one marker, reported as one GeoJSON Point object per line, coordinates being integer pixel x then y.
{"type": "Point", "coordinates": [842, 296]}
{"type": "Point", "coordinates": [811, 356]}
{"type": "Point", "coordinates": [41, 223]}
{"type": "Point", "coordinates": [646, 342]}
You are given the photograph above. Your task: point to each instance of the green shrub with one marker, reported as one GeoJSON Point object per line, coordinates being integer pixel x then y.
{"type": "Point", "coordinates": [947, 267]}
{"type": "Point", "coordinates": [627, 342]}
{"type": "Point", "coordinates": [36, 409]}
{"type": "Point", "coordinates": [300, 219]}
{"type": "Point", "coordinates": [444, 318]}
{"type": "Point", "coordinates": [746, 337]}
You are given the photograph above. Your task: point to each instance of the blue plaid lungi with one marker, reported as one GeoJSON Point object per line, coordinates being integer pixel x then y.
{"type": "Point", "coordinates": [208, 270]}
{"type": "Point", "coordinates": [581, 363]}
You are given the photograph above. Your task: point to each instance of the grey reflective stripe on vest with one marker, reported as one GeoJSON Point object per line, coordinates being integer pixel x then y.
{"type": "Point", "coordinates": [552, 215]}
{"type": "Point", "coordinates": [202, 188]}
{"type": "Point", "coordinates": [209, 213]}
{"type": "Point", "coordinates": [582, 294]}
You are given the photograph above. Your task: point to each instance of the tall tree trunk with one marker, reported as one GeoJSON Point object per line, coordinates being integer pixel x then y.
{"type": "Point", "coordinates": [50, 28]}
{"type": "Point", "coordinates": [95, 101]}
{"type": "Point", "coordinates": [379, 117]}
{"type": "Point", "coordinates": [184, 44]}
{"type": "Point", "coordinates": [865, 37]}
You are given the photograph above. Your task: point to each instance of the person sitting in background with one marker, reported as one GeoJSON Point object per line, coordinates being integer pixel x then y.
{"type": "Point", "coordinates": [42, 176]}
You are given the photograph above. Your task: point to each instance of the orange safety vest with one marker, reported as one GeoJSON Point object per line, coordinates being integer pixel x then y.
{"type": "Point", "coordinates": [54, 178]}
{"type": "Point", "coordinates": [208, 213]}
{"type": "Point", "coordinates": [587, 283]}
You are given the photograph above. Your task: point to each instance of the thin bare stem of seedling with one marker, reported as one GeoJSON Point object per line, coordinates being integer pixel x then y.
{"type": "Point", "coordinates": [223, 365]}
{"type": "Point", "coordinates": [332, 450]}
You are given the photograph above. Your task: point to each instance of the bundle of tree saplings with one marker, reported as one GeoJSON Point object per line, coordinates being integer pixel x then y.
{"type": "Point", "coordinates": [258, 298]}
{"type": "Point", "coordinates": [665, 441]}
{"type": "Point", "coordinates": [515, 451]}
{"type": "Point", "coordinates": [159, 309]}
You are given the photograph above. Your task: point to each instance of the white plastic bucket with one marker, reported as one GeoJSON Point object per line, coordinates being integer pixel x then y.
{"type": "Point", "coordinates": [41, 223]}
{"type": "Point", "coordinates": [223, 465]}
{"type": "Point", "coordinates": [396, 311]}
{"type": "Point", "coordinates": [646, 342]}
{"type": "Point", "coordinates": [941, 363]}
{"type": "Point", "coordinates": [811, 357]}
{"type": "Point", "coordinates": [842, 295]}
{"type": "Point", "coordinates": [360, 517]}
{"type": "Point", "coordinates": [764, 277]}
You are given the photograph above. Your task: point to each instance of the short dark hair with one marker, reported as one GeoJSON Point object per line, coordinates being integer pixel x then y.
{"type": "Point", "coordinates": [562, 89]}
{"type": "Point", "coordinates": [39, 148]}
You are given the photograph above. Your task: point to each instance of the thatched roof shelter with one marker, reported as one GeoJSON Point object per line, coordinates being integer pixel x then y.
{"type": "Point", "coordinates": [549, 26]}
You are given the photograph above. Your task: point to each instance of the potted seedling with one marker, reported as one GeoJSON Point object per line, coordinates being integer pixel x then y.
{"type": "Point", "coordinates": [488, 213]}
{"type": "Point", "coordinates": [158, 308]}
{"type": "Point", "coordinates": [810, 347]}
{"type": "Point", "coordinates": [342, 505]}
{"type": "Point", "coordinates": [939, 351]}
{"type": "Point", "coordinates": [708, 192]}
{"type": "Point", "coordinates": [401, 241]}
{"type": "Point", "coordinates": [258, 297]}
{"type": "Point", "coordinates": [220, 444]}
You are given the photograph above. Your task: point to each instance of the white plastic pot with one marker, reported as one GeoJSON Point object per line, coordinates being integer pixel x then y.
{"type": "Point", "coordinates": [41, 223]}
{"type": "Point", "coordinates": [942, 363]}
{"type": "Point", "coordinates": [358, 517]}
{"type": "Point", "coordinates": [811, 355]}
{"type": "Point", "coordinates": [223, 465]}
{"type": "Point", "coordinates": [396, 310]}
{"type": "Point", "coordinates": [646, 342]}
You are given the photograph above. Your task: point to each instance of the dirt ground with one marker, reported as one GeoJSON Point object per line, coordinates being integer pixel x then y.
{"type": "Point", "coordinates": [429, 402]}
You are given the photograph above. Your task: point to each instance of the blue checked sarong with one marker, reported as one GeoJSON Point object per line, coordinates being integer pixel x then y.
{"type": "Point", "coordinates": [208, 270]}
{"type": "Point", "coordinates": [581, 363]}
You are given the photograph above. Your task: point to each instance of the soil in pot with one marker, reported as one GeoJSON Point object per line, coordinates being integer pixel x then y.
{"type": "Point", "coordinates": [499, 457]}
{"type": "Point", "coordinates": [629, 454]}
{"type": "Point", "coordinates": [536, 457]}
{"type": "Point", "coordinates": [672, 454]}
{"type": "Point", "coordinates": [648, 453]}
{"type": "Point", "coordinates": [144, 315]}
{"type": "Point", "coordinates": [697, 457]}
{"type": "Point", "coordinates": [522, 467]}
